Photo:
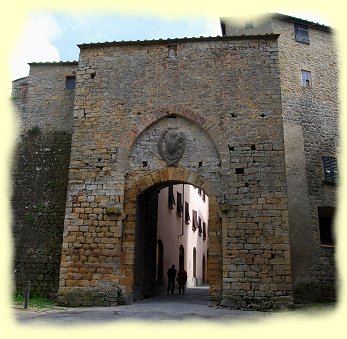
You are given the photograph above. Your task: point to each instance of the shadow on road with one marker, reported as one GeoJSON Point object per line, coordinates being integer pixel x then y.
{"type": "Point", "coordinates": [196, 295]}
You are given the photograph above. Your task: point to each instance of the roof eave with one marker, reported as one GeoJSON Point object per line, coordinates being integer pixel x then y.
{"type": "Point", "coordinates": [175, 40]}
{"type": "Point", "coordinates": [53, 63]}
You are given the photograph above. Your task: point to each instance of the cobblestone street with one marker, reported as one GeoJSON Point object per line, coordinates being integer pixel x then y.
{"type": "Point", "coordinates": [193, 305]}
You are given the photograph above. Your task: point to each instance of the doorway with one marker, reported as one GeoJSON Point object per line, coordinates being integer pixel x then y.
{"type": "Point", "coordinates": [181, 256]}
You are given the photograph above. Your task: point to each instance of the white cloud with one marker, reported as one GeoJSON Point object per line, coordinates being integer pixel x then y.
{"type": "Point", "coordinates": [35, 44]}
{"type": "Point", "coordinates": [213, 27]}
{"type": "Point", "coordinates": [316, 17]}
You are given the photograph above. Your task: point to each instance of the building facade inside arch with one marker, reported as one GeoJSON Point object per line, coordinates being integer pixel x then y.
{"type": "Point", "coordinates": [251, 120]}
{"type": "Point", "coordinates": [183, 229]}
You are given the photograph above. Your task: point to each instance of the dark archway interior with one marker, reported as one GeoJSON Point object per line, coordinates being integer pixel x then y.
{"type": "Point", "coordinates": [146, 244]}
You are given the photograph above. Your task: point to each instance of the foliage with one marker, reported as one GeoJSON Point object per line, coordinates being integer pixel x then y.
{"type": "Point", "coordinates": [35, 130]}
{"type": "Point", "coordinates": [35, 300]}
{"type": "Point", "coordinates": [29, 217]}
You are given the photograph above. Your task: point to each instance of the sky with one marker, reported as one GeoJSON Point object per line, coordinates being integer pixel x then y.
{"type": "Point", "coordinates": [53, 36]}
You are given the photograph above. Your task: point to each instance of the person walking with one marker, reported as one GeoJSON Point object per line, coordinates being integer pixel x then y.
{"type": "Point", "coordinates": [181, 279]}
{"type": "Point", "coordinates": [171, 275]}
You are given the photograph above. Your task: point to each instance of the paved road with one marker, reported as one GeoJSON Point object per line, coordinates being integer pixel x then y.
{"type": "Point", "coordinates": [193, 305]}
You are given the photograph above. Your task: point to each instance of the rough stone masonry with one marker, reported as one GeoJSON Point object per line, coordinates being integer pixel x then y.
{"type": "Point", "coordinates": [223, 94]}
{"type": "Point", "coordinates": [253, 137]}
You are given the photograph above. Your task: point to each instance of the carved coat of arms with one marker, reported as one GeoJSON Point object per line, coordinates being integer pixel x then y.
{"type": "Point", "coordinates": [171, 146]}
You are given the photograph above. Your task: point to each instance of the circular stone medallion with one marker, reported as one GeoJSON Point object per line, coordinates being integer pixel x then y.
{"type": "Point", "coordinates": [171, 146]}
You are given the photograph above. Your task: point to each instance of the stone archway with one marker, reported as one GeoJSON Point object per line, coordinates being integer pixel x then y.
{"type": "Point", "coordinates": [161, 178]}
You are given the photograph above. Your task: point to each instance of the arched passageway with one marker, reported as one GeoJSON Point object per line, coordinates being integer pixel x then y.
{"type": "Point", "coordinates": [140, 245]}
{"type": "Point", "coordinates": [163, 221]}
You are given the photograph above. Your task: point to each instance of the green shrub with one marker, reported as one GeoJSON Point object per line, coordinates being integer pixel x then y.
{"type": "Point", "coordinates": [34, 130]}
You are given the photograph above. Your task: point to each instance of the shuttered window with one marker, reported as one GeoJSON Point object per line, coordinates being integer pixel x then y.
{"type": "Point", "coordinates": [199, 225]}
{"type": "Point", "coordinates": [306, 78]}
{"type": "Point", "coordinates": [70, 82]}
{"type": "Point", "coordinates": [204, 231]}
{"type": "Point", "coordinates": [195, 220]}
{"type": "Point", "coordinates": [249, 24]}
{"type": "Point", "coordinates": [301, 33]}
{"type": "Point", "coordinates": [171, 197]}
{"type": "Point", "coordinates": [186, 213]}
{"type": "Point", "coordinates": [179, 207]}
{"type": "Point", "coordinates": [330, 169]}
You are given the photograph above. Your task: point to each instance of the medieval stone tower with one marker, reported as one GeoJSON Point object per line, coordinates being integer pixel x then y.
{"type": "Point", "coordinates": [250, 117]}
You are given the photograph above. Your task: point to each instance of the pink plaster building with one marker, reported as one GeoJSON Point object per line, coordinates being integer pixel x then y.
{"type": "Point", "coordinates": [182, 233]}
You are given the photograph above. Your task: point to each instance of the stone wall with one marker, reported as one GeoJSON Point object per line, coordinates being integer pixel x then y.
{"type": "Point", "coordinates": [40, 172]}
{"type": "Point", "coordinates": [38, 207]}
{"type": "Point", "coordinates": [42, 98]}
{"type": "Point", "coordinates": [311, 131]}
{"type": "Point", "coordinates": [311, 122]}
{"type": "Point", "coordinates": [227, 90]}
{"type": "Point", "coordinates": [251, 130]}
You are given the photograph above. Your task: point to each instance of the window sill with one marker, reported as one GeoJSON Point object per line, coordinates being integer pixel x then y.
{"type": "Point", "coordinates": [303, 40]}
{"type": "Point", "coordinates": [327, 246]}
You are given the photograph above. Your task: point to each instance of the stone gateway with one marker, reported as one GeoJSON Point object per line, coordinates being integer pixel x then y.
{"type": "Point", "coordinates": [250, 118]}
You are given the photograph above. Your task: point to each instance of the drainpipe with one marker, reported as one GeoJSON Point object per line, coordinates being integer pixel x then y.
{"type": "Point", "coordinates": [183, 206]}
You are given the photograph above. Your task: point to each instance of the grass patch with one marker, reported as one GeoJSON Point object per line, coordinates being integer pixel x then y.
{"type": "Point", "coordinates": [35, 300]}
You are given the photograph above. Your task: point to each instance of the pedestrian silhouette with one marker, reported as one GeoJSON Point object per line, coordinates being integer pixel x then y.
{"type": "Point", "coordinates": [181, 279]}
{"type": "Point", "coordinates": [171, 275]}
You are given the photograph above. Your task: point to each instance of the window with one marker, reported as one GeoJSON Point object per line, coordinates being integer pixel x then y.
{"type": "Point", "coordinates": [203, 196]}
{"type": "Point", "coordinates": [199, 191]}
{"type": "Point", "coordinates": [195, 220]}
{"type": "Point", "coordinates": [186, 213]}
{"type": "Point", "coordinates": [330, 169]}
{"type": "Point", "coordinates": [326, 219]}
{"type": "Point", "coordinates": [249, 24]}
{"type": "Point", "coordinates": [204, 231]}
{"type": "Point", "coordinates": [301, 33]}
{"type": "Point", "coordinates": [171, 198]}
{"type": "Point", "coordinates": [172, 51]}
{"type": "Point", "coordinates": [70, 82]}
{"type": "Point", "coordinates": [179, 204]}
{"type": "Point", "coordinates": [23, 90]}
{"type": "Point", "coordinates": [306, 78]}
{"type": "Point", "coordinates": [199, 225]}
